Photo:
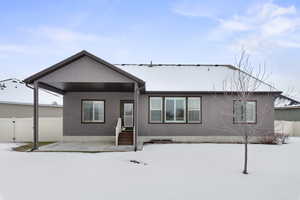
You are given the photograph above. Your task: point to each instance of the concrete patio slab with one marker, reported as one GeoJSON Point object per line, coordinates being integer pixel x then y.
{"type": "Point", "coordinates": [86, 147]}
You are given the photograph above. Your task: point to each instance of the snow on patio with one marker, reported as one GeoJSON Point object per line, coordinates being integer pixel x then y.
{"type": "Point", "coordinates": [168, 171]}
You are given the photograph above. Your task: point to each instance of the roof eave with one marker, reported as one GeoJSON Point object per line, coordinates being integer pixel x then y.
{"type": "Point", "coordinates": [77, 56]}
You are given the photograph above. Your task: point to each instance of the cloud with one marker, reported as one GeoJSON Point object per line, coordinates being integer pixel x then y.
{"type": "Point", "coordinates": [191, 8]}
{"type": "Point", "coordinates": [58, 34]}
{"type": "Point", "coordinates": [52, 40]}
{"type": "Point", "coordinates": [234, 25]}
{"type": "Point", "coordinates": [262, 28]}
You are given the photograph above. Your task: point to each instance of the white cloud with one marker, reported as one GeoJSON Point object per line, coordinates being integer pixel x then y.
{"type": "Point", "coordinates": [262, 27]}
{"type": "Point", "coordinates": [52, 40]}
{"type": "Point", "coordinates": [193, 8]}
{"type": "Point", "coordinates": [234, 25]}
{"type": "Point", "coordinates": [58, 34]}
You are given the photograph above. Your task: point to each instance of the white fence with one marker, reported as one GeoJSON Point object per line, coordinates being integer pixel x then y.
{"type": "Point", "coordinates": [21, 129]}
{"type": "Point", "coordinates": [289, 127]}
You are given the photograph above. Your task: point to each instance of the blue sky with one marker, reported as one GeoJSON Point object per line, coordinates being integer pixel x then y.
{"type": "Point", "coordinates": [37, 34]}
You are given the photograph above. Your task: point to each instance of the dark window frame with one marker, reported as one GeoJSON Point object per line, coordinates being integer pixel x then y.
{"type": "Point", "coordinates": [233, 118]}
{"type": "Point", "coordinates": [104, 111]}
{"type": "Point", "coordinates": [185, 114]}
{"type": "Point", "coordinates": [186, 110]}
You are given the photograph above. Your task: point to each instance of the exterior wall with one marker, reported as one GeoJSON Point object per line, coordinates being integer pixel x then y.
{"type": "Point", "coordinates": [16, 123]}
{"type": "Point", "coordinates": [288, 114]}
{"type": "Point", "coordinates": [21, 129]}
{"type": "Point", "coordinates": [84, 70]}
{"type": "Point", "coordinates": [291, 128]}
{"type": "Point", "coordinates": [26, 111]}
{"type": "Point", "coordinates": [72, 113]}
{"type": "Point", "coordinates": [217, 118]}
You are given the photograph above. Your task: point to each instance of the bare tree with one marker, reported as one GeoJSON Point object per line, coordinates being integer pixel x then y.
{"type": "Point", "coordinates": [242, 86]}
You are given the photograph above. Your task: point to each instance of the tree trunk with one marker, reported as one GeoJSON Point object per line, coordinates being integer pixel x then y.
{"type": "Point", "coordinates": [245, 171]}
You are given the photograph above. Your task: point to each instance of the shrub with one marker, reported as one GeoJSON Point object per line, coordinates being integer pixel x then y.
{"type": "Point", "coordinates": [277, 138]}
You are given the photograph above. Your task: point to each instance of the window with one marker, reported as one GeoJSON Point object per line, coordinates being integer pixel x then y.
{"type": "Point", "coordinates": [92, 111]}
{"type": "Point", "coordinates": [194, 109]}
{"type": "Point", "coordinates": [175, 109]}
{"type": "Point", "coordinates": [156, 109]}
{"type": "Point", "coordinates": [244, 112]}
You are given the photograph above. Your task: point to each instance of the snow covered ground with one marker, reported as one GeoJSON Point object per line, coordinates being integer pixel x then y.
{"type": "Point", "coordinates": [170, 171]}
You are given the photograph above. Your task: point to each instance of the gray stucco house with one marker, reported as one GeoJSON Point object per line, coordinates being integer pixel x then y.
{"type": "Point", "coordinates": [130, 103]}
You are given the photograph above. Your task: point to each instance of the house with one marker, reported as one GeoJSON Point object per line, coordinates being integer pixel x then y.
{"type": "Point", "coordinates": [130, 103]}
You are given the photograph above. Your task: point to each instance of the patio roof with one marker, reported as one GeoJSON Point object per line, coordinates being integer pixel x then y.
{"type": "Point", "coordinates": [75, 57]}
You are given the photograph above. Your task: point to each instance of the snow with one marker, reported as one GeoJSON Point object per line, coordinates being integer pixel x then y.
{"type": "Point", "coordinates": [168, 171]}
{"type": "Point", "coordinates": [174, 78]}
{"type": "Point", "coordinates": [16, 92]}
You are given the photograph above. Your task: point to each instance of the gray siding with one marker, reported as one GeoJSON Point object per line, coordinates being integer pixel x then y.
{"type": "Point", "coordinates": [85, 70]}
{"type": "Point", "coordinates": [217, 117]}
{"type": "Point", "coordinates": [26, 111]}
{"type": "Point", "coordinates": [288, 114]}
{"type": "Point", "coordinates": [72, 113]}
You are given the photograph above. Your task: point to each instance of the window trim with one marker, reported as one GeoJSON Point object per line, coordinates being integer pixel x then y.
{"type": "Point", "coordinates": [93, 122]}
{"type": "Point", "coordinates": [162, 110]}
{"type": "Point", "coordinates": [233, 118]}
{"type": "Point", "coordinates": [187, 113]}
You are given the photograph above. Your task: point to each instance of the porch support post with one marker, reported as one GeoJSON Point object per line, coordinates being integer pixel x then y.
{"type": "Point", "coordinates": [136, 115]}
{"type": "Point", "coordinates": [35, 115]}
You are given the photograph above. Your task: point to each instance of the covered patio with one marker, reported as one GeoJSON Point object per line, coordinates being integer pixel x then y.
{"type": "Point", "coordinates": [85, 77]}
{"type": "Point", "coordinates": [88, 147]}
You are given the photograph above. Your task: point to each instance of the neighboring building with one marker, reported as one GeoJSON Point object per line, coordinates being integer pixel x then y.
{"type": "Point", "coordinates": [25, 110]}
{"type": "Point", "coordinates": [287, 113]}
{"type": "Point", "coordinates": [288, 120]}
{"type": "Point", "coordinates": [16, 122]}
{"type": "Point", "coordinates": [179, 103]}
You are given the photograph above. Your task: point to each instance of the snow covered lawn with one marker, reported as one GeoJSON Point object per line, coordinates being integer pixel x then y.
{"type": "Point", "coordinates": [171, 171]}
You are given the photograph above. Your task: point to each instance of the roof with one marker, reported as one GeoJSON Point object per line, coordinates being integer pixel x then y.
{"type": "Point", "coordinates": [165, 77]}
{"type": "Point", "coordinates": [29, 104]}
{"type": "Point", "coordinates": [16, 91]}
{"type": "Point", "coordinates": [288, 107]}
{"type": "Point", "coordinates": [77, 56]}
{"type": "Point", "coordinates": [187, 77]}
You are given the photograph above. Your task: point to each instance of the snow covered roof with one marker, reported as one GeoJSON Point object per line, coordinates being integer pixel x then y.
{"type": "Point", "coordinates": [16, 91]}
{"type": "Point", "coordinates": [180, 77]}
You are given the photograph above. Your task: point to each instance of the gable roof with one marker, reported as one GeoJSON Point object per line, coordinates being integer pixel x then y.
{"type": "Point", "coordinates": [188, 77]}
{"type": "Point", "coordinates": [165, 77]}
{"type": "Point", "coordinates": [75, 57]}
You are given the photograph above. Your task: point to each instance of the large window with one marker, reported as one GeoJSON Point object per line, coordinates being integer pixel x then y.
{"type": "Point", "coordinates": [156, 105]}
{"type": "Point", "coordinates": [244, 111]}
{"type": "Point", "coordinates": [175, 109]}
{"type": "Point", "coordinates": [194, 109]}
{"type": "Point", "coordinates": [92, 111]}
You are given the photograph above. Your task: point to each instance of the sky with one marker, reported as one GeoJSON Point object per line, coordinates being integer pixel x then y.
{"type": "Point", "coordinates": [37, 34]}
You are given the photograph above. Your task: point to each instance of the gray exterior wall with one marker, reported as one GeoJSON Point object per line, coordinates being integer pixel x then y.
{"type": "Point", "coordinates": [84, 70]}
{"type": "Point", "coordinates": [26, 111]}
{"type": "Point", "coordinates": [217, 117]}
{"type": "Point", "coordinates": [72, 125]}
{"type": "Point", "coordinates": [287, 114]}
